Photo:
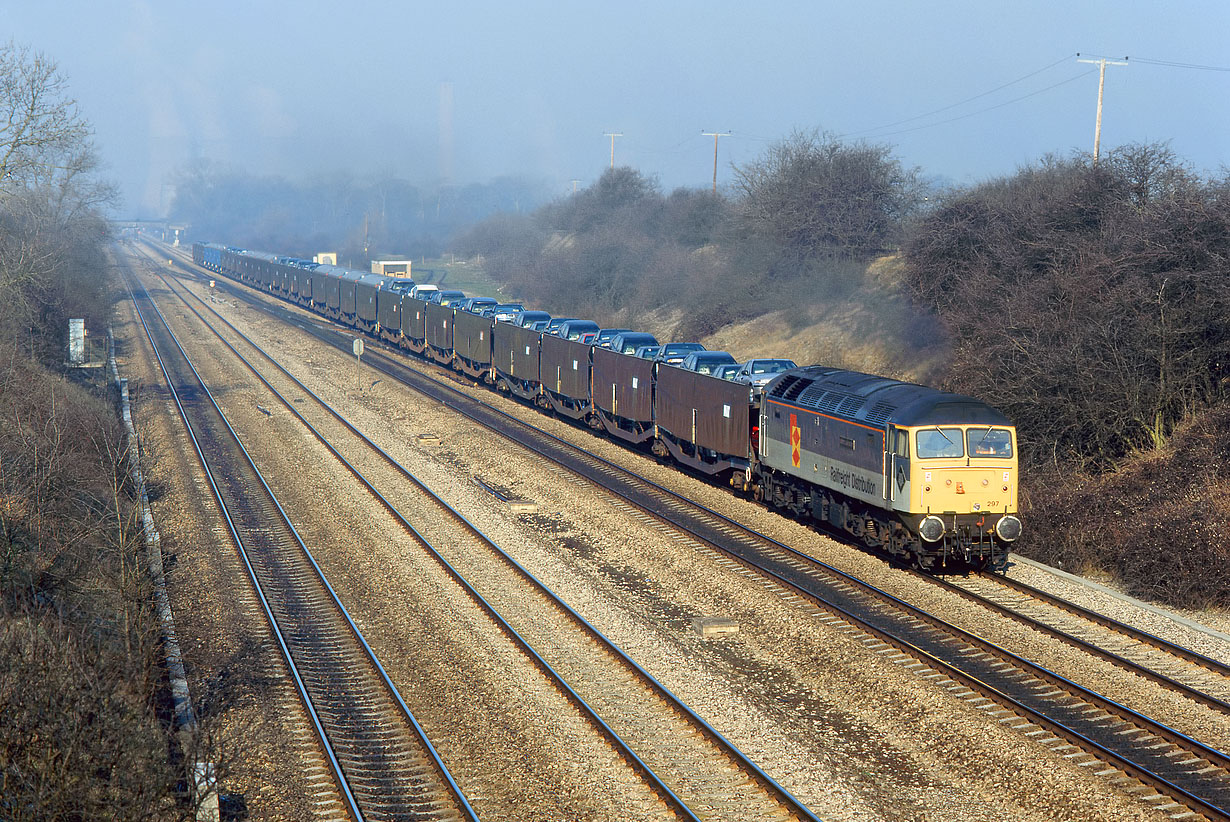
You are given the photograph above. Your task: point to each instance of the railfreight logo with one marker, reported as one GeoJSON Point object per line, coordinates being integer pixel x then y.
{"type": "Point", "coordinates": [796, 440]}
{"type": "Point", "coordinates": [851, 481]}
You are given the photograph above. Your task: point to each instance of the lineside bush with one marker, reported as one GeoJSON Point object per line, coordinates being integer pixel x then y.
{"type": "Point", "coordinates": [1158, 525]}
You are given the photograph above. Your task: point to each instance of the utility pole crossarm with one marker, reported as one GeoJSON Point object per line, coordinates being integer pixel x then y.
{"type": "Point", "coordinates": [1101, 63]}
{"type": "Point", "coordinates": [613, 135]}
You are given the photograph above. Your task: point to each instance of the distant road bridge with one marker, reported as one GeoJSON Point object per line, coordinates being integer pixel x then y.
{"type": "Point", "coordinates": [164, 230]}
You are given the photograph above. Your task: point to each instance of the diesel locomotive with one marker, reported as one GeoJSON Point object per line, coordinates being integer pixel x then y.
{"type": "Point", "coordinates": [926, 476]}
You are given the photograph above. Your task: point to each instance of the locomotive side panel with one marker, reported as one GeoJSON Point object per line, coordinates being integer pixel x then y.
{"type": "Point", "coordinates": [839, 454]}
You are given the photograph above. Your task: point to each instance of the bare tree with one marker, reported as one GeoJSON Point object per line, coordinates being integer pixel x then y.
{"type": "Point", "coordinates": [81, 736]}
{"type": "Point", "coordinates": [41, 133]}
{"type": "Point", "coordinates": [1089, 303]}
{"type": "Point", "coordinates": [818, 195]}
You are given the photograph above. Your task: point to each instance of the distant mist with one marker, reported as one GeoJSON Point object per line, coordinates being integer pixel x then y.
{"type": "Point", "coordinates": [357, 218]}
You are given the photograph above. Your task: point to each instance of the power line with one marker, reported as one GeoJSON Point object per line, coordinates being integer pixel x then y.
{"type": "Point", "coordinates": [1174, 64]}
{"type": "Point", "coordinates": [1022, 78]}
{"type": "Point", "coordinates": [989, 108]}
{"type": "Point", "coordinates": [676, 149]}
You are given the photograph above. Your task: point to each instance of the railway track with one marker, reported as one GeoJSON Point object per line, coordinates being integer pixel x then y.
{"type": "Point", "coordinates": [690, 765]}
{"type": "Point", "coordinates": [1174, 772]}
{"type": "Point", "coordinates": [1198, 677]}
{"type": "Point", "coordinates": [384, 766]}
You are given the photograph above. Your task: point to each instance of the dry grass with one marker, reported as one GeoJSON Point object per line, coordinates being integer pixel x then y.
{"type": "Point", "coordinates": [873, 328]}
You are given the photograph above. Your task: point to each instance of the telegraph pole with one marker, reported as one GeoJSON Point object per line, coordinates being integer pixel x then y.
{"type": "Point", "coordinates": [574, 186]}
{"type": "Point", "coordinates": [613, 135]}
{"type": "Point", "coordinates": [715, 135]}
{"type": "Point", "coordinates": [1102, 63]}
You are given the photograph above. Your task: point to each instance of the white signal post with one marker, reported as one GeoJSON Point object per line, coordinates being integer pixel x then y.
{"type": "Point", "coordinates": [358, 364]}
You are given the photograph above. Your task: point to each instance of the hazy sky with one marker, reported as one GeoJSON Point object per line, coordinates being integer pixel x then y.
{"type": "Point", "coordinates": [312, 88]}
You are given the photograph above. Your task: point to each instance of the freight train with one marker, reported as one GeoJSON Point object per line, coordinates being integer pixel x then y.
{"type": "Point", "coordinates": [926, 476]}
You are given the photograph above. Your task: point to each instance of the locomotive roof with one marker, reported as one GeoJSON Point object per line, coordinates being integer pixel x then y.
{"type": "Point", "coordinates": [877, 400]}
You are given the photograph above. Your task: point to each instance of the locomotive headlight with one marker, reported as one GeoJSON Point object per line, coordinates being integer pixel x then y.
{"type": "Point", "coordinates": [931, 529]}
{"type": "Point", "coordinates": [1008, 528]}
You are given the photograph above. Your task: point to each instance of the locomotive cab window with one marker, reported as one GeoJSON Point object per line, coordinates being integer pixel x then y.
{"type": "Point", "coordinates": [989, 442]}
{"type": "Point", "coordinates": [901, 443]}
{"type": "Point", "coordinates": [939, 442]}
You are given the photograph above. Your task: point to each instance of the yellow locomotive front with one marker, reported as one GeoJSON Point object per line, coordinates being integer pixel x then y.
{"type": "Point", "coordinates": [927, 475]}
{"type": "Point", "coordinates": [959, 492]}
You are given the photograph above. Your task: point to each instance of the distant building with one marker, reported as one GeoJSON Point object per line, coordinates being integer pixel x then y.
{"type": "Point", "coordinates": [391, 268]}
{"type": "Point", "coordinates": [325, 258]}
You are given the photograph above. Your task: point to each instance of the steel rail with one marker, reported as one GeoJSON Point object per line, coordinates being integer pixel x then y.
{"type": "Point", "coordinates": [398, 371]}
{"type": "Point", "coordinates": [323, 735]}
{"type": "Point", "coordinates": [1117, 659]}
{"type": "Point", "coordinates": [233, 528]}
{"type": "Point", "coordinates": [784, 797]}
{"type": "Point", "coordinates": [1131, 631]}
